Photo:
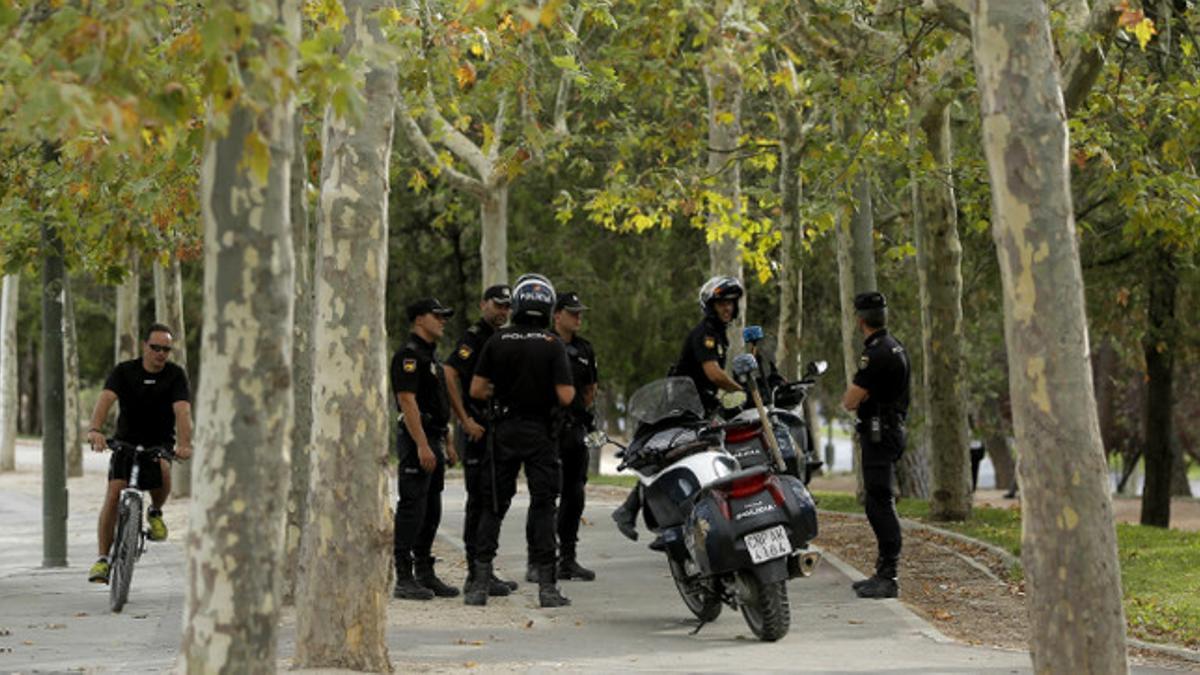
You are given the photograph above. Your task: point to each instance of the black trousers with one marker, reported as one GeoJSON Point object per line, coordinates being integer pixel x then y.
{"type": "Point", "coordinates": [573, 454]}
{"type": "Point", "coordinates": [522, 444]}
{"type": "Point", "coordinates": [879, 469]}
{"type": "Point", "coordinates": [419, 509]}
{"type": "Point", "coordinates": [477, 476]}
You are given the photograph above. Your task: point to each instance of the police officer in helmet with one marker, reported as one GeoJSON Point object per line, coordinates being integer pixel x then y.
{"type": "Point", "coordinates": [471, 436]}
{"type": "Point", "coordinates": [879, 396]}
{"type": "Point", "coordinates": [420, 389]}
{"type": "Point", "coordinates": [703, 360]}
{"type": "Point", "coordinates": [524, 369]}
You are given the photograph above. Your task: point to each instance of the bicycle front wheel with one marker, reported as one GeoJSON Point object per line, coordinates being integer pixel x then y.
{"type": "Point", "coordinates": [126, 549]}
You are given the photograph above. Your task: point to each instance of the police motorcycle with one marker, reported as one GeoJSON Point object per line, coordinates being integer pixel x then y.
{"type": "Point", "coordinates": [783, 403]}
{"type": "Point", "coordinates": [732, 536]}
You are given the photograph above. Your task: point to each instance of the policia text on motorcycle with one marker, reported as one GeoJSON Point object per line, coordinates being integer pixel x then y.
{"type": "Point", "coordinates": [420, 389]}
{"type": "Point", "coordinates": [474, 430]}
{"type": "Point", "coordinates": [524, 370]}
{"type": "Point", "coordinates": [879, 395]}
{"type": "Point", "coordinates": [703, 360]}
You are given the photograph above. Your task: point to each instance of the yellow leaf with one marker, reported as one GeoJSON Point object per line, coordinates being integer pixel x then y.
{"type": "Point", "coordinates": [476, 49]}
{"type": "Point", "coordinates": [725, 117]}
{"type": "Point", "coordinates": [417, 182]}
{"type": "Point", "coordinates": [465, 75]}
{"type": "Point", "coordinates": [258, 157]}
{"type": "Point", "coordinates": [1144, 31]}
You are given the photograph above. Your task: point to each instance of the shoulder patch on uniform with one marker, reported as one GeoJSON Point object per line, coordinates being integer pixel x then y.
{"type": "Point", "coordinates": [863, 361]}
{"type": "Point", "coordinates": [710, 341]}
{"type": "Point", "coordinates": [410, 365]}
{"type": "Point", "coordinates": [464, 352]}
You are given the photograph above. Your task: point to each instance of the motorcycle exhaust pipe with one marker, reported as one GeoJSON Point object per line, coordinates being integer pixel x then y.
{"type": "Point", "coordinates": [808, 563]}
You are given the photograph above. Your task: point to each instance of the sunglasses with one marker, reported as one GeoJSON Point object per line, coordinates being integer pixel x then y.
{"type": "Point", "coordinates": [161, 349]}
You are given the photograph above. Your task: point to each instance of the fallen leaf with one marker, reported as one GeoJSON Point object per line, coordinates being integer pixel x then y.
{"type": "Point", "coordinates": [27, 642]}
{"type": "Point", "coordinates": [140, 616]}
{"type": "Point", "coordinates": [942, 615]}
{"type": "Point", "coordinates": [854, 622]}
{"type": "Point", "coordinates": [80, 614]}
{"type": "Point", "coordinates": [470, 664]}
{"type": "Point", "coordinates": [529, 624]}
{"type": "Point", "coordinates": [55, 626]}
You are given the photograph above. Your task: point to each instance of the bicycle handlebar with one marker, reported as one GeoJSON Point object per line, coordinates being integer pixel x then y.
{"type": "Point", "coordinates": [157, 450]}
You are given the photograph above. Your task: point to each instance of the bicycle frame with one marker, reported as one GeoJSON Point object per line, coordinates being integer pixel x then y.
{"type": "Point", "coordinates": [128, 545]}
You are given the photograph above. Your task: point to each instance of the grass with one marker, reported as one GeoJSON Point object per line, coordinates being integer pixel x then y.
{"type": "Point", "coordinates": [620, 481]}
{"type": "Point", "coordinates": [1160, 569]}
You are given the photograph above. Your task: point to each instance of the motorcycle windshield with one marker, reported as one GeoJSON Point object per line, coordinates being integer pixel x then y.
{"type": "Point", "coordinates": [664, 399]}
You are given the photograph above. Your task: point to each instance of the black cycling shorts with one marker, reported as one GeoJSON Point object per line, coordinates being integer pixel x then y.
{"type": "Point", "coordinates": [120, 467]}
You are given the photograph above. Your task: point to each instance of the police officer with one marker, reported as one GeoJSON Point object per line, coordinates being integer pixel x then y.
{"type": "Point", "coordinates": [525, 369]}
{"type": "Point", "coordinates": [576, 422]}
{"type": "Point", "coordinates": [471, 436]}
{"type": "Point", "coordinates": [879, 395]}
{"type": "Point", "coordinates": [703, 360]}
{"type": "Point", "coordinates": [419, 386]}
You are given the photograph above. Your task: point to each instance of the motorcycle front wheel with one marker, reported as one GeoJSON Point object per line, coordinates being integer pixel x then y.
{"type": "Point", "coordinates": [766, 608]}
{"type": "Point", "coordinates": [704, 604]}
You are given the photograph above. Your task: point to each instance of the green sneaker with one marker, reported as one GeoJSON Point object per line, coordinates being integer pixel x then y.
{"type": "Point", "coordinates": [158, 529]}
{"type": "Point", "coordinates": [99, 572]}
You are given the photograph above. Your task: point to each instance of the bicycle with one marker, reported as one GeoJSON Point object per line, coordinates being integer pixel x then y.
{"type": "Point", "coordinates": [129, 539]}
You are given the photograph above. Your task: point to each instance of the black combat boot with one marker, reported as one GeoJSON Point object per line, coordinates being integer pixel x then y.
{"type": "Point", "coordinates": [878, 587]}
{"type": "Point", "coordinates": [548, 595]}
{"type": "Point", "coordinates": [863, 582]}
{"type": "Point", "coordinates": [476, 592]}
{"type": "Point", "coordinates": [407, 587]}
{"type": "Point", "coordinates": [569, 567]}
{"type": "Point", "coordinates": [497, 582]}
{"type": "Point", "coordinates": [427, 578]}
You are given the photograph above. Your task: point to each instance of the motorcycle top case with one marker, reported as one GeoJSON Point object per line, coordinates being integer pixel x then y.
{"type": "Point", "coordinates": [715, 539]}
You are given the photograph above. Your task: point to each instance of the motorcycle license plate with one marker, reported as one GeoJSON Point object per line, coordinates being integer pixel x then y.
{"type": "Point", "coordinates": [768, 544]}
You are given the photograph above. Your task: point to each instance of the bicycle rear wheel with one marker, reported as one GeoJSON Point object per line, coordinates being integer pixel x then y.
{"type": "Point", "coordinates": [126, 549]}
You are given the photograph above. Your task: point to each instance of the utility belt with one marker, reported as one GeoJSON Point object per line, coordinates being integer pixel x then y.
{"type": "Point", "coordinates": [872, 427]}
{"type": "Point", "coordinates": [429, 424]}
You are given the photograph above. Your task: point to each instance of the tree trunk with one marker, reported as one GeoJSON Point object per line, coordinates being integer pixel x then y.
{"type": "Point", "coordinates": [995, 442]}
{"type": "Point", "coordinates": [851, 335]}
{"type": "Point", "coordinates": [791, 275]}
{"type": "Point", "coordinates": [54, 466]}
{"type": "Point", "coordinates": [29, 377]}
{"type": "Point", "coordinates": [1068, 542]}
{"type": "Point", "coordinates": [302, 367]}
{"type": "Point", "coordinates": [939, 261]}
{"type": "Point", "coordinates": [723, 79]}
{"type": "Point", "coordinates": [343, 625]}
{"type": "Point", "coordinates": [71, 436]}
{"type": "Point", "coordinates": [244, 405]}
{"type": "Point", "coordinates": [168, 309]}
{"type": "Point", "coordinates": [9, 300]}
{"type": "Point", "coordinates": [125, 345]}
{"type": "Point", "coordinates": [493, 244]}
{"type": "Point", "coordinates": [1159, 348]}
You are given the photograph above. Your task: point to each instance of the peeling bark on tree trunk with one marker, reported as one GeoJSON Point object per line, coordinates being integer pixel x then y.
{"type": "Point", "coordinates": [244, 406]}
{"type": "Point", "coordinates": [724, 82]}
{"type": "Point", "coordinates": [168, 309]}
{"type": "Point", "coordinates": [71, 431]}
{"type": "Point", "coordinates": [302, 367]}
{"type": "Point", "coordinates": [125, 346]}
{"type": "Point", "coordinates": [1158, 346]}
{"type": "Point", "coordinates": [1068, 545]}
{"type": "Point", "coordinates": [343, 625]}
{"type": "Point", "coordinates": [493, 244]}
{"type": "Point", "coordinates": [851, 342]}
{"type": "Point", "coordinates": [791, 276]}
{"type": "Point", "coordinates": [939, 260]}
{"type": "Point", "coordinates": [9, 409]}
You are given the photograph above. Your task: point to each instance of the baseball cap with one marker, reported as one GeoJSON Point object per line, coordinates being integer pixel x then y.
{"type": "Point", "coordinates": [427, 306]}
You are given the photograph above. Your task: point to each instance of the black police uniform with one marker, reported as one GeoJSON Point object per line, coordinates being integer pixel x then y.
{"type": "Point", "coordinates": [572, 448]}
{"type": "Point", "coordinates": [415, 369]}
{"type": "Point", "coordinates": [473, 453]}
{"type": "Point", "coordinates": [883, 370]}
{"type": "Point", "coordinates": [706, 342]}
{"type": "Point", "coordinates": [524, 364]}
{"type": "Point", "coordinates": [147, 416]}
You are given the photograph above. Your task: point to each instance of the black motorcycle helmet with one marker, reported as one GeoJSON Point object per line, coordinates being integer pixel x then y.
{"type": "Point", "coordinates": [533, 299]}
{"type": "Point", "coordinates": [721, 288]}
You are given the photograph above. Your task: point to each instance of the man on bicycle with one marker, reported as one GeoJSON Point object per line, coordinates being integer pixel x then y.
{"type": "Point", "coordinates": [154, 398]}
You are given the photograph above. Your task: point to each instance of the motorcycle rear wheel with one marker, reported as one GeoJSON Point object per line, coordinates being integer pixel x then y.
{"type": "Point", "coordinates": [704, 604]}
{"type": "Point", "coordinates": [767, 611]}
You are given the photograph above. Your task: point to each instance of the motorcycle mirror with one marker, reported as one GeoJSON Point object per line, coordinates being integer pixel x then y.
{"type": "Point", "coordinates": [816, 367]}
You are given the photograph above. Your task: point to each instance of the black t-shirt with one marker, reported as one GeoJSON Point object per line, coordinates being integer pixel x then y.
{"type": "Point", "coordinates": [416, 370]}
{"type": "Point", "coordinates": [883, 370]}
{"type": "Point", "coordinates": [582, 358]}
{"type": "Point", "coordinates": [525, 364]}
{"type": "Point", "coordinates": [463, 360]}
{"type": "Point", "coordinates": [707, 342]}
{"type": "Point", "coordinates": [147, 401]}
